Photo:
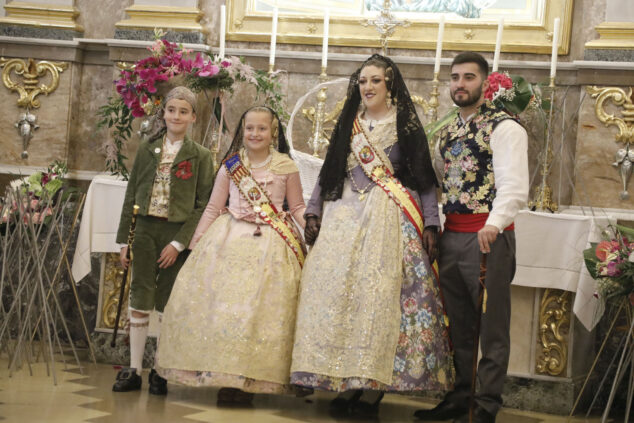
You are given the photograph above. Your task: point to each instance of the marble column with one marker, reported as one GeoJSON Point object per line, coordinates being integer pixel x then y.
{"type": "Point", "coordinates": [49, 19]}
{"type": "Point", "coordinates": [180, 19]}
{"type": "Point", "coordinates": [616, 34]}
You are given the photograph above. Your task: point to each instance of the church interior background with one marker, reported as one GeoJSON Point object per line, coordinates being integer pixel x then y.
{"type": "Point", "coordinates": [60, 58]}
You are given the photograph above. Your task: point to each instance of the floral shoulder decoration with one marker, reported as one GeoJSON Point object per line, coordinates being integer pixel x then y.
{"type": "Point", "coordinates": [139, 94]}
{"type": "Point", "coordinates": [184, 170]}
{"type": "Point", "coordinates": [512, 93]}
{"type": "Point", "coordinates": [611, 263]}
{"type": "Point", "coordinates": [34, 196]}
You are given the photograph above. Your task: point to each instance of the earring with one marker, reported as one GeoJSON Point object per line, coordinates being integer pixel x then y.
{"type": "Point", "coordinates": [388, 100]}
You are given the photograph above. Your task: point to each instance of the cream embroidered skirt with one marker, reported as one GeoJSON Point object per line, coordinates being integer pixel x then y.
{"type": "Point", "coordinates": [231, 316]}
{"type": "Point", "coordinates": [370, 314]}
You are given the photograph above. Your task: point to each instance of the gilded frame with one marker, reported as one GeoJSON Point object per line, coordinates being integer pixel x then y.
{"type": "Point", "coordinates": [525, 37]}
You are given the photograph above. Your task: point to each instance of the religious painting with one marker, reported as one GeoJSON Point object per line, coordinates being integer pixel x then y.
{"type": "Point", "coordinates": [470, 24]}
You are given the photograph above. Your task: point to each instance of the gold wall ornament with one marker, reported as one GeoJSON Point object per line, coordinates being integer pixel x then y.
{"type": "Point", "coordinates": [31, 72]}
{"type": "Point", "coordinates": [613, 35]}
{"type": "Point", "coordinates": [554, 326]}
{"type": "Point", "coordinates": [174, 18]}
{"type": "Point", "coordinates": [469, 34]}
{"type": "Point", "coordinates": [112, 286]}
{"type": "Point", "coordinates": [41, 15]}
{"type": "Point", "coordinates": [624, 100]}
{"type": "Point", "coordinates": [247, 22]}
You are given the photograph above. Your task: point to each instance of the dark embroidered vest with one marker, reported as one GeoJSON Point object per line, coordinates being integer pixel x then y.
{"type": "Point", "coordinates": [468, 185]}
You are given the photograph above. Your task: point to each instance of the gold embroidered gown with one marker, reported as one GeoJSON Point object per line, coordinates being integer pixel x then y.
{"type": "Point", "coordinates": [231, 316]}
{"type": "Point", "coordinates": [370, 314]}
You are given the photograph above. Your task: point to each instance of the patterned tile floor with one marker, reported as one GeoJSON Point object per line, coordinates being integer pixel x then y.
{"type": "Point", "coordinates": [26, 398]}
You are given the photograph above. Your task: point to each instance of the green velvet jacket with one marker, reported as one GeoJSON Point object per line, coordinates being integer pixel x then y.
{"type": "Point", "coordinates": [189, 194]}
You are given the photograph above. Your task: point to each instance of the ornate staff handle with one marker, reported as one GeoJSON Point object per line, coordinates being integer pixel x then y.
{"type": "Point", "coordinates": [128, 256]}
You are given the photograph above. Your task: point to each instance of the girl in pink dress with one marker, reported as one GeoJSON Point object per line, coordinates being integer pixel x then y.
{"type": "Point", "coordinates": [230, 319]}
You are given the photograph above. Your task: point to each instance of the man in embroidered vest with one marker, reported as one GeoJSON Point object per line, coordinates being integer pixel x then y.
{"type": "Point", "coordinates": [482, 161]}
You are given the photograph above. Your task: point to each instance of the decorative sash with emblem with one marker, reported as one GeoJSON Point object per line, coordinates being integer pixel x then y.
{"type": "Point", "coordinates": [378, 168]}
{"type": "Point", "coordinates": [263, 207]}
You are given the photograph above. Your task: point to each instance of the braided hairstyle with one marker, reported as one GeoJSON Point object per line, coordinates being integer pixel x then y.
{"type": "Point", "coordinates": [415, 171]}
{"type": "Point", "coordinates": [279, 140]}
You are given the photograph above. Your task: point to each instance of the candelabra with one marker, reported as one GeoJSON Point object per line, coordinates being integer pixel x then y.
{"type": "Point", "coordinates": [317, 140]}
{"type": "Point", "coordinates": [543, 200]}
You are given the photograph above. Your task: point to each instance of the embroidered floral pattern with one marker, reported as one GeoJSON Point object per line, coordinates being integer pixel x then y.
{"type": "Point", "coordinates": [423, 359]}
{"type": "Point", "coordinates": [469, 185]}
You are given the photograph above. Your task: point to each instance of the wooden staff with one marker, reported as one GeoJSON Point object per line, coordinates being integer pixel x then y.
{"type": "Point", "coordinates": [124, 280]}
{"type": "Point", "coordinates": [482, 299]}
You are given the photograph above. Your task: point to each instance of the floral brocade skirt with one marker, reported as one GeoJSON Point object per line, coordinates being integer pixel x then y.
{"type": "Point", "coordinates": [230, 319]}
{"type": "Point", "coordinates": [370, 313]}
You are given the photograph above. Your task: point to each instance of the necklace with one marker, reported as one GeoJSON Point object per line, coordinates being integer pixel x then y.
{"type": "Point", "coordinates": [262, 163]}
{"type": "Point", "coordinates": [362, 191]}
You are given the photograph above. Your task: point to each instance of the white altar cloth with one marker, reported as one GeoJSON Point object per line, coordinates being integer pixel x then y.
{"type": "Point", "coordinates": [99, 222]}
{"type": "Point", "coordinates": [550, 255]}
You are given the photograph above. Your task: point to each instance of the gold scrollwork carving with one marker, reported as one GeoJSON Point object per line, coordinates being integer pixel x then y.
{"type": "Point", "coordinates": [112, 286]}
{"type": "Point", "coordinates": [624, 158]}
{"type": "Point", "coordinates": [554, 326]}
{"type": "Point", "coordinates": [31, 72]}
{"type": "Point", "coordinates": [620, 98]}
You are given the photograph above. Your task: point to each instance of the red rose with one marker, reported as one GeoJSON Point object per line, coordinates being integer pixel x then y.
{"type": "Point", "coordinates": [496, 81]}
{"type": "Point", "coordinates": [184, 171]}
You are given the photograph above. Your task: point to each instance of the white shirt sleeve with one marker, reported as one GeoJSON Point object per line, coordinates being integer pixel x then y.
{"type": "Point", "coordinates": [438, 162]}
{"type": "Point", "coordinates": [179, 247]}
{"type": "Point", "coordinates": [509, 144]}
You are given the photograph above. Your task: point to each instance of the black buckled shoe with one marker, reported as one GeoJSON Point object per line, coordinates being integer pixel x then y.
{"type": "Point", "coordinates": [340, 406]}
{"type": "Point", "coordinates": [480, 415]}
{"type": "Point", "coordinates": [158, 385]}
{"type": "Point", "coordinates": [444, 411]}
{"type": "Point", "coordinates": [127, 380]}
{"type": "Point", "coordinates": [366, 409]}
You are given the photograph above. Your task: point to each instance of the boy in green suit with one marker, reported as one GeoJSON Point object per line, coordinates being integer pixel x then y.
{"type": "Point", "coordinates": [171, 181]}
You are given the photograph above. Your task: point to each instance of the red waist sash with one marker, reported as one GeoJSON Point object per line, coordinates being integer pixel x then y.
{"type": "Point", "coordinates": [456, 222]}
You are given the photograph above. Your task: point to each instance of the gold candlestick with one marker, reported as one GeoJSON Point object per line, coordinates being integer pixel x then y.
{"type": "Point", "coordinates": [215, 146]}
{"type": "Point", "coordinates": [323, 76]}
{"type": "Point", "coordinates": [433, 99]}
{"type": "Point", "coordinates": [317, 141]}
{"type": "Point", "coordinates": [543, 200]}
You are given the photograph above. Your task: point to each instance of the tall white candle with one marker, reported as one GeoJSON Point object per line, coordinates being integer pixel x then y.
{"type": "Point", "coordinates": [273, 37]}
{"type": "Point", "coordinates": [223, 26]}
{"type": "Point", "coordinates": [324, 44]}
{"type": "Point", "coordinates": [553, 59]}
{"type": "Point", "coordinates": [441, 31]}
{"type": "Point", "coordinates": [498, 45]}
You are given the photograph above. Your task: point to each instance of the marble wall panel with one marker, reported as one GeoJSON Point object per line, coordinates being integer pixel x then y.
{"type": "Point", "coordinates": [597, 183]}
{"type": "Point", "coordinates": [619, 11]}
{"type": "Point", "coordinates": [50, 141]}
{"type": "Point", "coordinates": [99, 22]}
{"type": "Point", "coordinates": [522, 330]}
{"type": "Point", "coordinates": [94, 87]}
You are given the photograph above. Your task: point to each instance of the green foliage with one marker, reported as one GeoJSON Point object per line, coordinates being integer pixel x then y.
{"type": "Point", "coordinates": [269, 87]}
{"type": "Point", "coordinates": [116, 117]}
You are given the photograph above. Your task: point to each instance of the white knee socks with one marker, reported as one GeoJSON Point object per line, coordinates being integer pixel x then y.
{"type": "Point", "coordinates": [138, 334]}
